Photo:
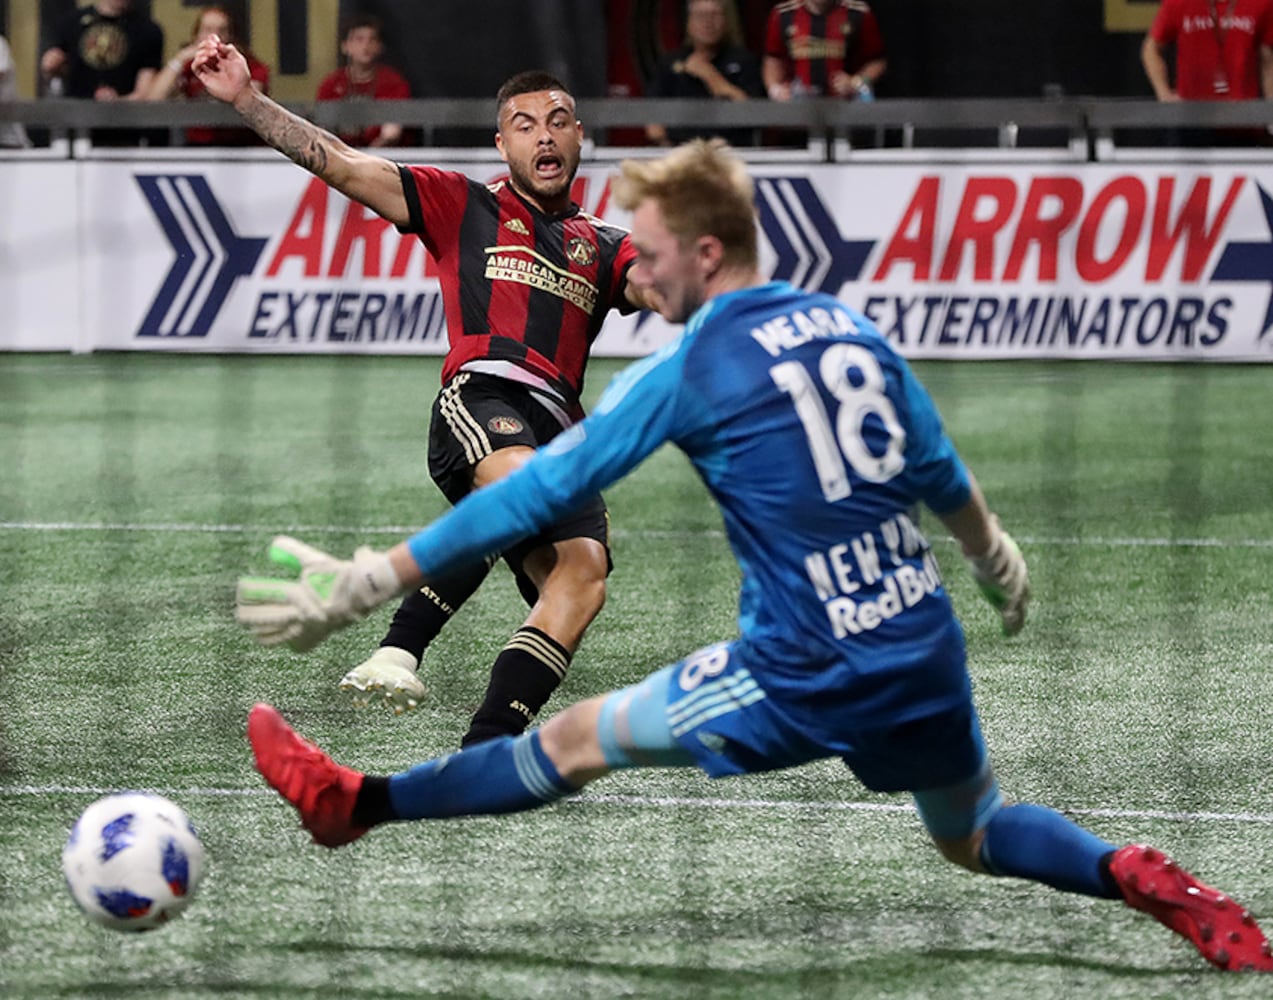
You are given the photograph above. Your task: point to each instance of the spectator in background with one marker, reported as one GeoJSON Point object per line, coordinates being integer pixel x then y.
{"type": "Point", "coordinates": [176, 79]}
{"type": "Point", "coordinates": [107, 52]}
{"type": "Point", "coordinates": [12, 134]}
{"type": "Point", "coordinates": [365, 78]}
{"type": "Point", "coordinates": [712, 63]}
{"type": "Point", "coordinates": [1224, 50]}
{"type": "Point", "coordinates": [823, 48]}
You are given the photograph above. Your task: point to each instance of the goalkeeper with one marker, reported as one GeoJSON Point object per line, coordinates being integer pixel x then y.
{"type": "Point", "coordinates": [814, 437]}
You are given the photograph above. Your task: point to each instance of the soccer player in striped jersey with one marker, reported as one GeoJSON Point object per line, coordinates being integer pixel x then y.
{"type": "Point", "coordinates": [822, 48]}
{"type": "Point", "coordinates": [814, 438]}
{"type": "Point", "coordinates": [527, 279]}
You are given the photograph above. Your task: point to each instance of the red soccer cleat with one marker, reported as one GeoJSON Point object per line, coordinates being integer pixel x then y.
{"type": "Point", "coordinates": [1223, 932]}
{"type": "Point", "coordinates": [322, 791]}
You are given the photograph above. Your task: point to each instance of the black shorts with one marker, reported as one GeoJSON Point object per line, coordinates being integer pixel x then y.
{"type": "Point", "coordinates": [476, 415]}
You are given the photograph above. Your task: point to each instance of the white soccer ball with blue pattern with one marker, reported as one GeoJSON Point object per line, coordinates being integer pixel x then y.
{"type": "Point", "coordinates": [133, 861]}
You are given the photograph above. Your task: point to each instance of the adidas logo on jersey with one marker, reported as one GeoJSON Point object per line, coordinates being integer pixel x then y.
{"type": "Point", "coordinates": [517, 226]}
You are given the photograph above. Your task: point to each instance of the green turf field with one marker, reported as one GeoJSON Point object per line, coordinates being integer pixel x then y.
{"type": "Point", "coordinates": [136, 488]}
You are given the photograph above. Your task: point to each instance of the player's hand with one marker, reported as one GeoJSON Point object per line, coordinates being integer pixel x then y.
{"type": "Point", "coordinates": [327, 594]}
{"type": "Point", "coordinates": [1004, 581]}
{"type": "Point", "coordinates": [221, 68]}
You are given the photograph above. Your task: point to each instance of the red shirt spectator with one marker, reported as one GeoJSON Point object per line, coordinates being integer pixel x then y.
{"type": "Point", "coordinates": [176, 79]}
{"type": "Point", "coordinates": [1224, 50]}
{"type": "Point", "coordinates": [822, 48]}
{"type": "Point", "coordinates": [365, 78]}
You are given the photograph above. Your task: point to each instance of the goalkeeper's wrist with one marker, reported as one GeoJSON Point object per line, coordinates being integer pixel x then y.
{"type": "Point", "coordinates": [989, 558]}
{"type": "Point", "coordinates": [374, 580]}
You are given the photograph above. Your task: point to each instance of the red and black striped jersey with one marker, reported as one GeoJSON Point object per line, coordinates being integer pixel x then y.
{"type": "Point", "coordinates": [817, 46]}
{"type": "Point", "coordinates": [525, 293]}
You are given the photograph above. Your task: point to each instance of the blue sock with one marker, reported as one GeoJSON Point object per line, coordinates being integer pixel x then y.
{"type": "Point", "coordinates": [1029, 841]}
{"type": "Point", "coordinates": [505, 775]}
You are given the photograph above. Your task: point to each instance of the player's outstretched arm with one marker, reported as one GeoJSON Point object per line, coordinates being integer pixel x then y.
{"type": "Point", "coordinates": [371, 180]}
{"type": "Point", "coordinates": [993, 558]}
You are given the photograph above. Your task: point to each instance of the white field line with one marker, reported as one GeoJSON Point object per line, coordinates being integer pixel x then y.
{"type": "Point", "coordinates": [674, 802]}
{"type": "Point", "coordinates": [182, 527]}
{"type": "Point", "coordinates": [653, 802]}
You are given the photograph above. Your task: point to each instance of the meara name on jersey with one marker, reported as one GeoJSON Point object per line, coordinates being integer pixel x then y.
{"type": "Point", "coordinates": [785, 332]}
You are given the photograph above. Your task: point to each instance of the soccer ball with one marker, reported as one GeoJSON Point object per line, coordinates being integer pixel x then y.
{"type": "Point", "coordinates": [132, 861]}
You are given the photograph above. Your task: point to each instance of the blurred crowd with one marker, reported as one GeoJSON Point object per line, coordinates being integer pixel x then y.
{"type": "Point", "coordinates": [110, 50]}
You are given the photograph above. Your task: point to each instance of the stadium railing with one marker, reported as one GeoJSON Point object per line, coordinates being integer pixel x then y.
{"type": "Point", "coordinates": [1079, 128]}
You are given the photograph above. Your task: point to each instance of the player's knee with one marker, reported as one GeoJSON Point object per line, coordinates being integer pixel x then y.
{"type": "Point", "coordinates": [962, 851]}
{"type": "Point", "coordinates": [580, 599]}
{"type": "Point", "coordinates": [571, 742]}
{"type": "Point", "coordinates": [578, 579]}
{"type": "Point", "coordinates": [589, 597]}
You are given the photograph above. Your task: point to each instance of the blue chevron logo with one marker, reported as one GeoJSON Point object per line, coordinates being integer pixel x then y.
{"type": "Point", "coordinates": [811, 252]}
{"type": "Point", "coordinates": [210, 255]}
{"type": "Point", "coordinates": [1243, 261]}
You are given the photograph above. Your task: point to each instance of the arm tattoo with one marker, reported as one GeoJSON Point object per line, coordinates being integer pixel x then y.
{"type": "Point", "coordinates": [303, 142]}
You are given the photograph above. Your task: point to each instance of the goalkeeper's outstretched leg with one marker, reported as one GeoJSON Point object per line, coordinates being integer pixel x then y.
{"type": "Point", "coordinates": [973, 827]}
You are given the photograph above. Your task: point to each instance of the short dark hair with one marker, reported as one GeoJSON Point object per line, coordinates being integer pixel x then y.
{"type": "Point", "coordinates": [529, 82]}
{"type": "Point", "coordinates": [362, 19]}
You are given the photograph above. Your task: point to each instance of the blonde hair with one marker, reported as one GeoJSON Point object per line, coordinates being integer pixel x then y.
{"type": "Point", "coordinates": [702, 189]}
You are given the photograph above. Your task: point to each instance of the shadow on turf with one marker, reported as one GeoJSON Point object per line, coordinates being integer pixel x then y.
{"type": "Point", "coordinates": [858, 972]}
{"type": "Point", "coordinates": [204, 987]}
{"type": "Point", "coordinates": [967, 955]}
{"type": "Point", "coordinates": [746, 979]}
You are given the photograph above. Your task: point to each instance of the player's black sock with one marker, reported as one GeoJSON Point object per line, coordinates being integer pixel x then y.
{"type": "Point", "coordinates": [372, 805]}
{"type": "Point", "coordinates": [423, 613]}
{"type": "Point", "coordinates": [1112, 890]}
{"type": "Point", "coordinates": [526, 673]}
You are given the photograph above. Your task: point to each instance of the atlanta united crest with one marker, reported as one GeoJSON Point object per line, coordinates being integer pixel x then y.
{"type": "Point", "coordinates": [504, 425]}
{"type": "Point", "coordinates": [581, 251]}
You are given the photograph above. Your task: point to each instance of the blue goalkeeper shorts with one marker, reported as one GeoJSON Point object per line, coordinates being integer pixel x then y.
{"type": "Point", "coordinates": [725, 724]}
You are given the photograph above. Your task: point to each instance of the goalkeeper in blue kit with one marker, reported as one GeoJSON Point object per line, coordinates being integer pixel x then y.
{"type": "Point", "coordinates": [815, 439]}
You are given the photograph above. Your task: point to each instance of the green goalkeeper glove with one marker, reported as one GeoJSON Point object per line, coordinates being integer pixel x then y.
{"type": "Point", "coordinates": [1004, 581]}
{"type": "Point", "coordinates": [328, 594]}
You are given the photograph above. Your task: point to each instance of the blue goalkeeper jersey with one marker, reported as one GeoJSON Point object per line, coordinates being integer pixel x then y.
{"type": "Point", "coordinates": [815, 439]}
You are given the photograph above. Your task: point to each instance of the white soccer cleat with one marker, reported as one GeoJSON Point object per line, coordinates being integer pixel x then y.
{"type": "Point", "coordinates": [388, 676]}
